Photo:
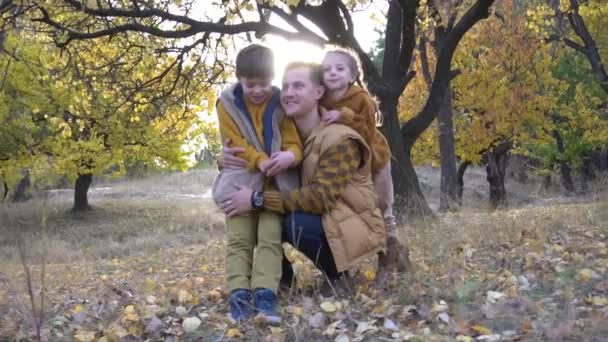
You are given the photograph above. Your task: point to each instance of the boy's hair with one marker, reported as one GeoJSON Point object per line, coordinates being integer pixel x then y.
{"type": "Point", "coordinates": [255, 61]}
{"type": "Point", "coordinates": [353, 61]}
{"type": "Point", "coordinates": [316, 70]}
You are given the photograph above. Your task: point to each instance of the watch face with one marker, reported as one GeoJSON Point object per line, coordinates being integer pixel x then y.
{"type": "Point", "coordinates": [258, 199]}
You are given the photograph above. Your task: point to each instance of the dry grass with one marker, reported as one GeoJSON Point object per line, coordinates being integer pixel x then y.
{"type": "Point", "coordinates": [115, 228]}
{"type": "Point", "coordinates": [133, 245]}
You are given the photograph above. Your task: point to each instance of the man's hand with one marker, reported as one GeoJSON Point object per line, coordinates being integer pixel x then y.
{"type": "Point", "coordinates": [279, 162]}
{"type": "Point", "coordinates": [331, 116]}
{"type": "Point", "coordinates": [229, 159]}
{"type": "Point", "coordinates": [239, 202]}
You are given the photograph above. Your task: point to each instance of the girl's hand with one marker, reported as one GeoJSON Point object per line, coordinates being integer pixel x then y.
{"type": "Point", "coordinates": [331, 116]}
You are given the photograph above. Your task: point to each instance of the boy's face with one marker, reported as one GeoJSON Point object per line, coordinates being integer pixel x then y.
{"type": "Point", "coordinates": [257, 89]}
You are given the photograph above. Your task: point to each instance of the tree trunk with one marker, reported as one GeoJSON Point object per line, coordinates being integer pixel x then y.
{"type": "Point", "coordinates": [409, 199]}
{"type": "Point", "coordinates": [564, 168]}
{"type": "Point", "coordinates": [20, 194]}
{"type": "Point", "coordinates": [5, 186]}
{"type": "Point", "coordinates": [81, 189]}
{"type": "Point", "coordinates": [496, 169]}
{"type": "Point", "coordinates": [462, 168]}
{"type": "Point", "coordinates": [587, 173]}
{"type": "Point", "coordinates": [547, 182]}
{"type": "Point", "coordinates": [449, 188]}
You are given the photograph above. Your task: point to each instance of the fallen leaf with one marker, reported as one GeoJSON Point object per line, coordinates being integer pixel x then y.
{"type": "Point", "coordinates": [390, 325]}
{"type": "Point", "coordinates": [342, 338]}
{"type": "Point", "coordinates": [362, 327]}
{"type": "Point", "coordinates": [444, 317]}
{"type": "Point", "coordinates": [317, 320]}
{"type": "Point", "coordinates": [481, 330]}
{"type": "Point", "coordinates": [597, 301]}
{"type": "Point", "coordinates": [233, 333]}
{"type": "Point", "coordinates": [440, 307]}
{"type": "Point", "coordinates": [181, 311]}
{"type": "Point", "coordinates": [190, 324]}
{"type": "Point", "coordinates": [328, 307]}
{"type": "Point", "coordinates": [276, 330]}
{"type": "Point", "coordinates": [584, 275]}
{"type": "Point", "coordinates": [84, 336]}
{"type": "Point", "coordinates": [130, 315]}
{"type": "Point", "coordinates": [154, 326]}
{"type": "Point", "coordinates": [184, 296]}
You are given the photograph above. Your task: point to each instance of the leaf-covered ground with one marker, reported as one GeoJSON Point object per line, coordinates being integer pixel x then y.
{"type": "Point", "coordinates": [520, 274]}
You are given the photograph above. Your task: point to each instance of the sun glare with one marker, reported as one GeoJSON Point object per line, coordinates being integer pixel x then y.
{"type": "Point", "coordinates": [286, 52]}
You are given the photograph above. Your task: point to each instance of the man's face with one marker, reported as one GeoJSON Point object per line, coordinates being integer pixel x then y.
{"type": "Point", "coordinates": [257, 90]}
{"type": "Point", "coordinates": [300, 95]}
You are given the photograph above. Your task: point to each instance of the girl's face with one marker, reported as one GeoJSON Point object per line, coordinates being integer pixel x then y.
{"type": "Point", "coordinates": [337, 74]}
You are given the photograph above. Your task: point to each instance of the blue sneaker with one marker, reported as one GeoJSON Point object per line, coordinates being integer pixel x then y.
{"type": "Point", "coordinates": [265, 301]}
{"type": "Point", "coordinates": [240, 305]}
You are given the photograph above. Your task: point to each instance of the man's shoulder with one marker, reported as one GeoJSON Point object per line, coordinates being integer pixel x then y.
{"type": "Point", "coordinates": [336, 133]}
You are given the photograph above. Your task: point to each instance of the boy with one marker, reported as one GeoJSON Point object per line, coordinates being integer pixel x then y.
{"type": "Point", "coordinates": [250, 116]}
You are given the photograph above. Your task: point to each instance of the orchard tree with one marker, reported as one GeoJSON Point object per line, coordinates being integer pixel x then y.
{"type": "Point", "coordinates": [179, 24]}
{"type": "Point", "coordinates": [103, 103]}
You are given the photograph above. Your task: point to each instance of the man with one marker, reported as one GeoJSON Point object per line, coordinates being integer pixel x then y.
{"type": "Point", "coordinates": [333, 218]}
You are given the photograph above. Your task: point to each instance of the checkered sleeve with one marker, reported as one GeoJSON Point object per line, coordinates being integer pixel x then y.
{"type": "Point", "coordinates": [336, 167]}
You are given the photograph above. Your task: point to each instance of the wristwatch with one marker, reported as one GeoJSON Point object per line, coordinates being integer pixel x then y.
{"type": "Point", "coordinates": [257, 200]}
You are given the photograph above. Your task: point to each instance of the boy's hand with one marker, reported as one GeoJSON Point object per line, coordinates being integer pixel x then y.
{"type": "Point", "coordinates": [331, 116]}
{"type": "Point", "coordinates": [264, 165]}
{"type": "Point", "coordinates": [279, 162]}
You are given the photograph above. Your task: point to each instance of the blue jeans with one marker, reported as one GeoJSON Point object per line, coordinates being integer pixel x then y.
{"type": "Point", "coordinates": [305, 232]}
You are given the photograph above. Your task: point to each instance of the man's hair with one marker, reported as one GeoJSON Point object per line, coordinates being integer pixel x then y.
{"type": "Point", "coordinates": [316, 70]}
{"type": "Point", "coordinates": [255, 61]}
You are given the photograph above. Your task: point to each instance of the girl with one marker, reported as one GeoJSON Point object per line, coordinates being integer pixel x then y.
{"type": "Point", "coordinates": [351, 105]}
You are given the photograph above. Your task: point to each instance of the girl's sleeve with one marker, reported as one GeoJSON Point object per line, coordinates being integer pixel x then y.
{"type": "Point", "coordinates": [361, 118]}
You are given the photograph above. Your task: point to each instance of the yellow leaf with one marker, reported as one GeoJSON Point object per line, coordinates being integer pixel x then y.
{"type": "Point", "coordinates": [234, 333]}
{"type": "Point", "coordinates": [298, 311]}
{"type": "Point", "coordinates": [584, 275]}
{"type": "Point", "coordinates": [481, 330]}
{"type": "Point", "coordinates": [328, 307]}
{"type": "Point", "coordinates": [276, 330]}
{"type": "Point", "coordinates": [597, 301]}
{"type": "Point", "coordinates": [78, 308]}
{"type": "Point", "coordinates": [85, 336]}
{"type": "Point", "coordinates": [184, 296]}
{"type": "Point", "coordinates": [369, 274]}
{"type": "Point", "coordinates": [130, 315]}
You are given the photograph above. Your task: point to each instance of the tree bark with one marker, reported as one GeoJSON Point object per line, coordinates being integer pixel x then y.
{"type": "Point", "coordinates": [81, 190]}
{"type": "Point", "coordinates": [564, 168]}
{"type": "Point", "coordinates": [20, 194]}
{"type": "Point", "coordinates": [462, 168]}
{"type": "Point", "coordinates": [5, 187]}
{"type": "Point", "coordinates": [496, 165]}
{"type": "Point", "coordinates": [587, 173]}
{"type": "Point", "coordinates": [449, 187]}
{"type": "Point", "coordinates": [409, 199]}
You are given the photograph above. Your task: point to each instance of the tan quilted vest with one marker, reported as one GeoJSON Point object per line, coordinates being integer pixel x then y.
{"type": "Point", "coordinates": [355, 227]}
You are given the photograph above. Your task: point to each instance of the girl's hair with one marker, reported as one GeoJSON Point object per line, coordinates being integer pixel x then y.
{"type": "Point", "coordinates": [354, 65]}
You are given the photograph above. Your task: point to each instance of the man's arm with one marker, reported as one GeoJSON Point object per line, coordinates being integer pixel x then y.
{"type": "Point", "coordinates": [229, 130]}
{"type": "Point", "coordinates": [336, 167]}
